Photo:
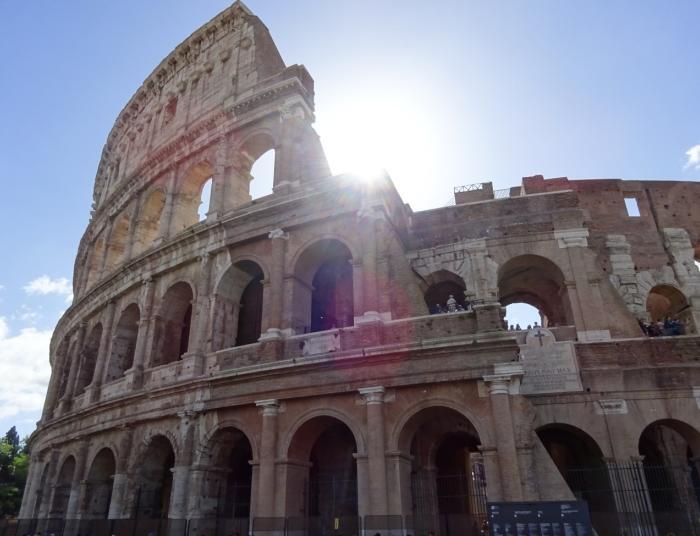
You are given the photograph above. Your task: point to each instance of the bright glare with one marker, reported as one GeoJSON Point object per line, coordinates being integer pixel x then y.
{"type": "Point", "coordinates": [522, 314]}
{"type": "Point", "coordinates": [377, 130]}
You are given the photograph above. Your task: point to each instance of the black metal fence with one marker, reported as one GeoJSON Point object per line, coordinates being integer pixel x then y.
{"type": "Point", "coordinates": [632, 498]}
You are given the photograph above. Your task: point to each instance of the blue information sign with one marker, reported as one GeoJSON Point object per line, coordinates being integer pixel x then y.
{"type": "Point", "coordinates": [551, 518]}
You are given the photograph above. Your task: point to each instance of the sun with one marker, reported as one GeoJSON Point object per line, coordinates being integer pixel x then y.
{"type": "Point", "coordinates": [381, 131]}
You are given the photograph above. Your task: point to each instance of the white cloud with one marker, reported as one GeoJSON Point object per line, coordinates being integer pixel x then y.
{"type": "Point", "coordinates": [24, 369]}
{"type": "Point", "coordinates": [45, 285]}
{"type": "Point", "coordinates": [693, 155]}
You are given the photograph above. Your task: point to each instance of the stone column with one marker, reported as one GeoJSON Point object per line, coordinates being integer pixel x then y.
{"type": "Point", "coordinates": [399, 466]}
{"type": "Point", "coordinates": [272, 319]}
{"type": "Point", "coordinates": [78, 476]}
{"type": "Point", "coordinates": [363, 493]}
{"type": "Point", "coordinates": [147, 293]}
{"type": "Point", "coordinates": [52, 391]}
{"type": "Point", "coordinates": [268, 449]}
{"type": "Point", "coordinates": [166, 219]}
{"type": "Point", "coordinates": [502, 421]}
{"type": "Point", "coordinates": [117, 504]}
{"type": "Point", "coordinates": [200, 324]}
{"type": "Point", "coordinates": [181, 471]}
{"type": "Point", "coordinates": [374, 401]}
{"type": "Point", "coordinates": [368, 217]}
{"type": "Point", "coordinates": [103, 355]}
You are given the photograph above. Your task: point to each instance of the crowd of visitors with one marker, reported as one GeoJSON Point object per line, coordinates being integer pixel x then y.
{"type": "Point", "coordinates": [669, 327]}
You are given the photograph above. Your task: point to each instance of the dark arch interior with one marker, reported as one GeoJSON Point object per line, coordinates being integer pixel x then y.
{"type": "Point", "coordinates": [238, 304]}
{"type": "Point", "coordinates": [331, 298]}
{"type": "Point", "coordinates": [88, 359]}
{"type": "Point", "coordinates": [62, 489]}
{"type": "Point", "coordinates": [438, 293]}
{"type": "Point", "coordinates": [124, 342]}
{"type": "Point", "coordinates": [227, 484]}
{"type": "Point", "coordinates": [538, 282]}
{"type": "Point", "coordinates": [155, 480]}
{"type": "Point", "coordinates": [580, 462]}
{"type": "Point", "coordinates": [173, 329]}
{"type": "Point", "coordinates": [100, 481]}
{"type": "Point", "coordinates": [448, 484]}
{"type": "Point", "coordinates": [333, 473]}
{"type": "Point", "coordinates": [668, 451]}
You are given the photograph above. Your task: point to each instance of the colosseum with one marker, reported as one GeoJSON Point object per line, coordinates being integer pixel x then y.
{"type": "Point", "coordinates": [325, 360]}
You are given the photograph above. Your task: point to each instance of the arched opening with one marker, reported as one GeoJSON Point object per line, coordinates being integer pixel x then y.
{"type": "Point", "coordinates": [88, 359]}
{"type": "Point", "coordinates": [42, 493]}
{"type": "Point", "coordinates": [61, 493]}
{"type": "Point", "coordinates": [253, 174]}
{"type": "Point", "coordinates": [118, 242]}
{"type": "Point", "coordinates": [100, 481]}
{"type": "Point", "coordinates": [324, 485]}
{"type": "Point", "coordinates": [149, 221]}
{"type": "Point", "coordinates": [189, 199]}
{"type": "Point", "coordinates": [173, 325]}
{"type": "Point", "coordinates": [538, 282]}
{"type": "Point", "coordinates": [445, 292]}
{"type": "Point", "coordinates": [238, 306]}
{"type": "Point", "coordinates": [262, 175]}
{"type": "Point", "coordinates": [228, 476]}
{"type": "Point", "coordinates": [581, 464]}
{"type": "Point", "coordinates": [521, 315]}
{"type": "Point", "coordinates": [447, 478]}
{"type": "Point", "coordinates": [323, 287]}
{"type": "Point", "coordinates": [155, 480]}
{"type": "Point", "coordinates": [124, 343]}
{"type": "Point", "coordinates": [669, 449]}
{"type": "Point", "coordinates": [64, 361]}
{"type": "Point", "coordinates": [205, 199]}
{"type": "Point", "coordinates": [669, 312]}
{"type": "Point", "coordinates": [94, 268]}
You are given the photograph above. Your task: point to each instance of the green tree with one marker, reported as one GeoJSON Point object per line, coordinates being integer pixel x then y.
{"type": "Point", "coordinates": [14, 462]}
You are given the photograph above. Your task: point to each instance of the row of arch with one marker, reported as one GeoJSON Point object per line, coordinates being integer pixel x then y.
{"type": "Point", "coordinates": [447, 472]}
{"type": "Point", "coordinates": [321, 478]}
{"type": "Point", "coordinates": [323, 298]}
{"type": "Point", "coordinates": [169, 209]}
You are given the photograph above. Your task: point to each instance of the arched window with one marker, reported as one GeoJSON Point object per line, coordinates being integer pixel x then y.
{"type": "Point", "coordinates": [669, 312]}
{"type": "Point", "coordinates": [326, 445]}
{"type": "Point", "coordinates": [124, 343]}
{"type": "Point", "coordinates": [191, 196]}
{"type": "Point", "coordinates": [88, 359]}
{"type": "Point", "coordinates": [149, 221]}
{"type": "Point", "coordinates": [174, 323]}
{"type": "Point", "coordinates": [443, 285]}
{"type": "Point", "coordinates": [521, 315]}
{"type": "Point", "coordinates": [118, 243]}
{"type": "Point", "coordinates": [62, 489]}
{"type": "Point", "coordinates": [205, 199]}
{"type": "Point", "coordinates": [580, 462]}
{"type": "Point", "coordinates": [538, 282]}
{"type": "Point", "coordinates": [154, 480]}
{"type": "Point", "coordinates": [447, 477]}
{"type": "Point", "coordinates": [238, 306]}
{"type": "Point", "coordinates": [95, 261]}
{"type": "Point", "coordinates": [262, 175]}
{"type": "Point", "coordinates": [324, 287]}
{"type": "Point", "coordinates": [228, 477]}
{"type": "Point", "coordinates": [100, 481]}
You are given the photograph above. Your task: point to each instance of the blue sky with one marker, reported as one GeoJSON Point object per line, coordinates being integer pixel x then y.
{"type": "Point", "coordinates": [442, 94]}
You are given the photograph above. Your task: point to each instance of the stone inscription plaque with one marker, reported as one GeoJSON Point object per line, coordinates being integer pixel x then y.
{"type": "Point", "coordinates": [549, 366]}
{"type": "Point", "coordinates": [321, 344]}
{"type": "Point", "coordinates": [551, 518]}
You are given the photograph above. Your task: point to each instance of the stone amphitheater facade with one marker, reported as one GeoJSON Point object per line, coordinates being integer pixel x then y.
{"type": "Point", "coordinates": [278, 358]}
